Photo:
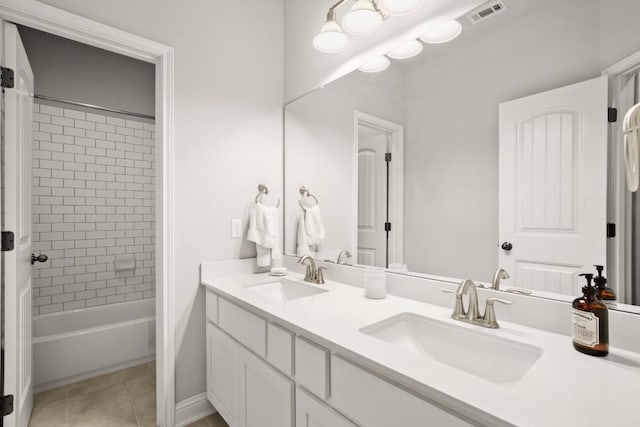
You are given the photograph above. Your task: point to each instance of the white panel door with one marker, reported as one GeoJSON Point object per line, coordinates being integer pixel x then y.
{"type": "Point", "coordinates": [553, 186]}
{"type": "Point", "coordinates": [17, 161]}
{"type": "Point", "coordinates": [372, 200]}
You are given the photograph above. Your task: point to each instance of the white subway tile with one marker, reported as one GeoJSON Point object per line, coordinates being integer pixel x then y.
{"type": "Point", "coordinates": [74, 305]}
{"type": "Point", "coordinates": [47, 109]}
{"type": "Point", "coordinates": [62, 121]}
{"type": "Point", "coordinates": [73, 131]}
{"type": "Point", "coordinates": [74, 114]}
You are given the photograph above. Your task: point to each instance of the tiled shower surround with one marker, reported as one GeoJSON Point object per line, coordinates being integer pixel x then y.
{"type": "Point", "coordinates": [93, 199]}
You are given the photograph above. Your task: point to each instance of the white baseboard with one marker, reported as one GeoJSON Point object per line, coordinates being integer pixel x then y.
{"type": "Point", "coordinates": [193, 409]}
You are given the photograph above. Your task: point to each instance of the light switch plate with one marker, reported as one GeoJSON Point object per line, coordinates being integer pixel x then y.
{"type": "Point", "coordinates": [236, 228]}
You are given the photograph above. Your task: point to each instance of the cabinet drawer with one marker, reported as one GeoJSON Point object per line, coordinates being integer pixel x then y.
{"type": "Point", "coordinates": [312, 367]}
{"type": "Point", "coordinates": [311, 412]}
{"type": "Point", "coordinates": [280, 348]}
{"type": "Point", "coordinates": [211, 306]}
{"type": "Point", "coordinates": [244, 326]}
{"type": "Point", "coordinates": [366, 398]}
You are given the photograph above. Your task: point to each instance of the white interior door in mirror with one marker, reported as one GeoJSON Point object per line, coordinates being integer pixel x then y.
{"type": "Point", "coordinates": [372, 197]}
{"type": "Point", "coordinates": [552, 179]}
{"type": "Point", "coordinates": [17, 162]}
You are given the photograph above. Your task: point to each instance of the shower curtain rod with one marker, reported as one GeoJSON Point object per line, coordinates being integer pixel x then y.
{"type": "Point", "coordinates": [95, 107]}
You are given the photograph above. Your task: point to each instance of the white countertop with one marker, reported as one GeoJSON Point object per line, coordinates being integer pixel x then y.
{"type": "Point", "coordinates": [563, 388]}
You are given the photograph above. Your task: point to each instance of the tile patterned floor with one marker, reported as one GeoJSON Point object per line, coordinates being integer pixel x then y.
{"type": "Point", "coordinates": [123, 398]}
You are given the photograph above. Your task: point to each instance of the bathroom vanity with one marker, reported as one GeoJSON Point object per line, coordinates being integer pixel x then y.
{"type": "Point", "coordinates": [284, 352]}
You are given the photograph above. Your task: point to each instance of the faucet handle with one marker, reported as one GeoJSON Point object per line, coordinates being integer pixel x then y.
{"type": "Point", "coordinates": [490, 301]}
{"type": "Point", "coordinates": [520, 291]}
{"type": "Point", "coordinates": [320, 276]}
{"type": "Point", "coordinates": [490, 312]}
{"type": "Point", "coordinates": [458, 309]}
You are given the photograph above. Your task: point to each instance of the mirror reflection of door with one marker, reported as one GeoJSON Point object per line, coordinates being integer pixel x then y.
{"type": "Point", "coordinates": [553, 186]}
{"type": "Point", "coordinates": [373, 144]}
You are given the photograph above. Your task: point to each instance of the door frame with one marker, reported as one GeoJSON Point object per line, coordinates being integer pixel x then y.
{"type": "Point", "coordinates": [396, 180]}
{"type": "Point", "coordinates": [55, 21]}
{"type": "Point", "coordinates": [619, 202]}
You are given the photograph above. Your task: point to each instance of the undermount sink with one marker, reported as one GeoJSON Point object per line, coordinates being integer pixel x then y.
{"type": "Point", "coordinates": [285, 290]}
{"type": "Point", "coordinates": [479, 353]}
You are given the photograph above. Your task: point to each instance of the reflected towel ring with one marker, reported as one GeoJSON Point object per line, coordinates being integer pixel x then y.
{"type": "Point", "coordinates": [305, 193]}
{"type": "Point", "coordinates": [262, 190]}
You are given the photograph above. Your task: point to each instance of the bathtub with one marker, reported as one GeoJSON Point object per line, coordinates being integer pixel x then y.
{"type": "Point", "coordinates": [73, 345]}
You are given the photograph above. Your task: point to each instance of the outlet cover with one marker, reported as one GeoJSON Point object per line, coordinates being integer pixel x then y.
{"type": "Point", "coordinates": [236, 228]}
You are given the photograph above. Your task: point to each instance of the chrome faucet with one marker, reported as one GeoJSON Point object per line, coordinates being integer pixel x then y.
{"type": "Point", "coordinates": [500, 274]}
{"type": "Point", "coordinates": [472, 314]}
{"type": "Point", "coordinates": [343, 254]}
{"type": "Point", "coordinates": [314, 273]}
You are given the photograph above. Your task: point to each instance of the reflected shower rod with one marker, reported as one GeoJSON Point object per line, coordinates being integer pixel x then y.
{"type": "Point", "coordinates": [95, 107]}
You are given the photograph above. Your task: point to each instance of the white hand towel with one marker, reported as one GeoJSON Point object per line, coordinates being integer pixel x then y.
{"type": "Point", "coordinates": [631, 130]}
{"type": "Point", "coordinates": [314, 225]}
{"type": "Point", "coordinates": [264, 231]}
{"type": "Point", "coordinates": [303, 247]}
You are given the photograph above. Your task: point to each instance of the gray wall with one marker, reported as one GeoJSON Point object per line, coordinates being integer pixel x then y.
{"type": "Point", "coordinates": [70, 70]}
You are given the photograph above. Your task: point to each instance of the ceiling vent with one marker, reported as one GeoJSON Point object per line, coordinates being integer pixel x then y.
{"type": "Point", "coordinates": [486, 11]}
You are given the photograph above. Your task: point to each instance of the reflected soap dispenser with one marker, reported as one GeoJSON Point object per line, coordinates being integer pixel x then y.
{"type": "Point", "coordinates": [590, 322]}
{"type": "Point", "coordinates": [603, 292]}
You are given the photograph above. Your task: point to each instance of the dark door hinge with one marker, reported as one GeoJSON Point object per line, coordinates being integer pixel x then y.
{"type": "Point", "coordinates": [6, 406]}
{"type": "Point", "coordinates": [7, 77]}
{"type": "Point", "coordinates": [387, 226]}
{"type": "Point", "coordinates": [612, 115]}
{"type": "Point", "coordinates": [387, 157]}
{"type": "Point", "coordinates": [611, 230]}
{"type": "Point", "coordinates": [8, 241]}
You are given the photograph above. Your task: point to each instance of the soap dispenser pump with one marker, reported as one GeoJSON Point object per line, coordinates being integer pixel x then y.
{"type": "Point", "coordinates": [603, 292]}
{"type": "Point", "coordinates": [590, 322]}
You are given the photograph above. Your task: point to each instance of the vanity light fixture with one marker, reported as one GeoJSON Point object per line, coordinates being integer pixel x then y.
{"type": "Point", "coordinates": [400, 7]}
{"type": "Point", "coordinates": [406, 50]}
{"type": "Point", "coordinates": [379, 64]}
{"type": "Point", "coordinates": [443, 33]}
{"type": "Point", "coordinates": [363, 19]}
{"type": "Point", "coordinates": [331, 38]}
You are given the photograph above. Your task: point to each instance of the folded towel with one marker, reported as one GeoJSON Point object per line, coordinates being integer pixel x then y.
{"type": "Point", "coordinates": [303, 247]}
{"type": "Point", "coordinates": [264, 231]}
{"type": "Point", "coordinates": [631, 130]}
{"type": "Point", "coordinates": [310, 229]}
{"type": "Point", "coordinates": [313, 225]}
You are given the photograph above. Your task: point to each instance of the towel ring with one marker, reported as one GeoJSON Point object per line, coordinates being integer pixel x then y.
{"type": "Point", "coordinates": [262, 190]}
{"type": "Point", "coordinates": [304, 192]}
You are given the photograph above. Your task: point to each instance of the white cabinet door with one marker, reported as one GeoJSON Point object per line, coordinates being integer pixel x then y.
{"type": "Point", "coordinates": [311, 412]}
{"type": "Point", "coordinates": [243, 388]}
{"type": "Point", "coordinates": [223, 374]}
{"type": "Point", "coordinates": [267, 396]}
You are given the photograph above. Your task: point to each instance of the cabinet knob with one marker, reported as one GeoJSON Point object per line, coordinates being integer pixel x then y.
{"type": "Point", "coordinates": [507, 246]}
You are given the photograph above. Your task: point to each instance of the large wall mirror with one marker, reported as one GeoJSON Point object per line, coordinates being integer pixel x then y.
{"type": "Point", "coordinates": [491, 151]}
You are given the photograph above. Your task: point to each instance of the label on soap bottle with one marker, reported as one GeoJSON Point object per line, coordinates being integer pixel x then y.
{"type": "Point", "coordinates": [586, 328]}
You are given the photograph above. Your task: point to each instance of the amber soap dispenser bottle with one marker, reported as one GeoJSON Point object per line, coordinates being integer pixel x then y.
{"type": "Point", "coordinates": [590, 322]}
{"type": "Point", "coordinates": [603, 292]}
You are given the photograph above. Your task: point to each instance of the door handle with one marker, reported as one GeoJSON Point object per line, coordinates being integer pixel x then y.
{"type": "Point", "coordinates": [507, 246]}
{"type": "Point", "coordinates": [39, 258]}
